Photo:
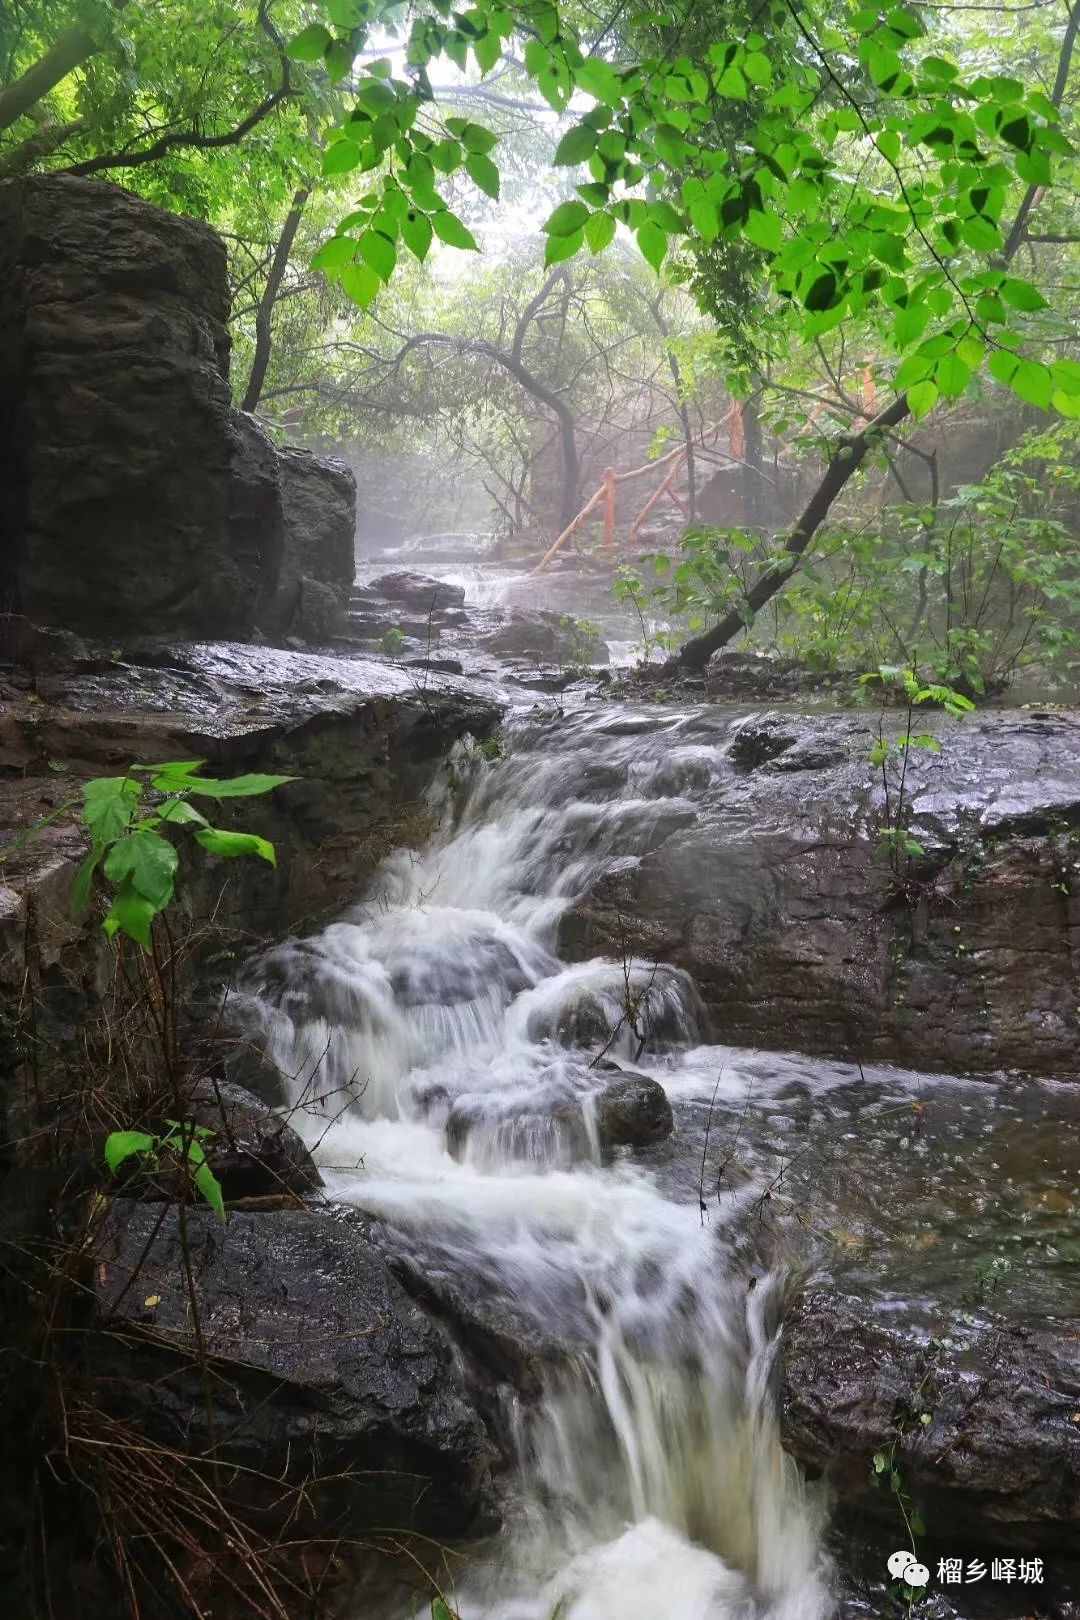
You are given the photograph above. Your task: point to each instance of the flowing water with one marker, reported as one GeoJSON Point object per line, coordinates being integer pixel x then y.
{"type": "Point", "coordinates": [447, 1067]}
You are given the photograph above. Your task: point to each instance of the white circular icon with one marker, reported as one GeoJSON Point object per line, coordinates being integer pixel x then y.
{"type": "Point", "coordinates": [916, 1575]}
{"type": "Point", "coordinates": [899, 1561]}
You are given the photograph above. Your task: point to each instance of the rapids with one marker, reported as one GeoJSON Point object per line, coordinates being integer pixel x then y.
{"type": "Point", "coordinates": [649, 1481]}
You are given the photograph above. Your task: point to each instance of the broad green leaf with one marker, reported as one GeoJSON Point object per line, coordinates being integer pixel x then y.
{"type": "Point", "coordinates": [599, 231]}
{"type": "Point", "coordinates": [131, 914]}
{"type": "Point", "coordinates": [910, 324]}
{"type": "Point", "coordinates": [109, 803]}
{"type": "Point", "coordinates": [233, 844]}
{"type": "Point", "coordinates": [1034, 167]}
{"type": "Point", "coordinates": [952, 376]}
{"type": "Point", "coordinates": [567, 218]}
{"type": "Point", "coordinates": [147, 862]}
{"type": "Point", "coordinates": [599, 80]}
{"type": "Point", "coordinates": [332, 255]}
{"type": "Point", "coordinates": [475, 138]}
{"type": "Point", "coordinates": [339, 159]}
{"type": "Point", "coordinates": [379, 252]}
{"type": "Point", "coordinates": [922, 397]}
{"type": "Point", "coordinates": [310, 44]}
{"type": "Point", "coordinates": [576, 146]}
{"type": "Point", "coordinates": [483, 173]}
{"type": "Point", "coordinates": [178, 812]}
{"type": "Point", "coordinates": [653, 243]}
{"type": "Point", "coordinates": [1022, 295]}
{"type": "Point", "coordinates": [558, 248]}
{"type": "Point", "coordinates": [1031, 380]}
{"type": "Point", "coordinates": [236, 787]}
{"type": "Point", "coordinates": [123, 1145]}
{"type": "Point", "coordinates": [361, 284]}
{"type": "Point", "coordinates": [705, 218]}
{"type": "Point", "coordinates": [764, 230]}
{"type": "Point", "coordinates": [449, 229]}
{"type": "Point", "coordinates": [416, 233]}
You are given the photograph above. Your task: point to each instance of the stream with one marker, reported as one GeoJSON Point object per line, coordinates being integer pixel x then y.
{"type": "Point", "coordinates": [447, 1072]}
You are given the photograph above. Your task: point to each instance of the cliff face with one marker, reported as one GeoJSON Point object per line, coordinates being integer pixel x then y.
{"type": "Point", "coordinates": [135, 499]}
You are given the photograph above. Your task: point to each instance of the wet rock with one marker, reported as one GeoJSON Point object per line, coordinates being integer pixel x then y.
{"type": "Point", "coordinates": [546, 638]}
{"type": "Point", "coordinates": [252, 1152]}
{"type": "Point", "coordinates": [763, 679]}
{"type": "Point", "coordinates": [129, 468]}
{"type": "Point", "coordinates": [609, 1011]}
{"type": "Point", "coordinates": [318, 563]}
{"type": "Point", "coordinates": [419, 592]}
{"type": "Point", "coordinates": [997, 1467]}
{"type": "Point", "coordinates": [776, 896]}
{"type": "Point", "coordinates": [633, 1112]}
{"type": "Point", "coordinates": [323, 1369]}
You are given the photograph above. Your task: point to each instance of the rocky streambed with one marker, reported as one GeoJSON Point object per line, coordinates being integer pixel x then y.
{"type": "Point", "coordinates": [540, 1237]}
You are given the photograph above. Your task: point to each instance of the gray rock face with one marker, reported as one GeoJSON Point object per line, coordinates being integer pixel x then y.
{"type": "Point", "coordinates": [134, 498]}
{"type": "Point", "coordinates": [322, 1367]}
{"type": "Point", "coordinates": [253, 1153]}
{"type": "Point", "coordinates": [777, 899]}
{"type": "Point", "coordinates": [633, 1112]}
{"type": "Point", "coordinates": [998, 1463]}
{"type": "Point", "coordinates": [318, 496]}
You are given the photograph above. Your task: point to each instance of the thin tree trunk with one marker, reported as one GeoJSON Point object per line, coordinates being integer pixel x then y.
{"type": "Point", "coordinates": [264, 315]}
{"type": "Point", "coordinates": [845, 461]}
{"type": "Point", "coordinates": [75, 46]}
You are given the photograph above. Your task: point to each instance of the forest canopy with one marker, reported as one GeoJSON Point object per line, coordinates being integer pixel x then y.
{"type": "Point", "coordinates": [843, 217]}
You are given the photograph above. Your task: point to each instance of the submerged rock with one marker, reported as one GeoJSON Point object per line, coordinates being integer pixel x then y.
{"type": "Point", "coordinates": [323, 1371]}
{"type": "Point", "coordinates": [984, 1429]}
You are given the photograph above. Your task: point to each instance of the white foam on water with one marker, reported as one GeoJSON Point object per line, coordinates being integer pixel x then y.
{"type": "Point", "coordinates": [651, 1482]}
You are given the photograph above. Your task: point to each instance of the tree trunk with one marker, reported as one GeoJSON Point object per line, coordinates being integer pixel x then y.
{"type": "Point", "coordinates": [74, 47]}
{"type": "Point", "coordinates": [264, 315]}
{"type": "Point", "coordinates": [846, 460]}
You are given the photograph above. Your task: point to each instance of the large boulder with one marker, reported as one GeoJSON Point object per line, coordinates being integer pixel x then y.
{"type": "Point", "coordinates": [134, 498]}
{"type": "Point", "coordinates": [982, 1427]}
{"type": "Point", "coordinates": [323, 1372]}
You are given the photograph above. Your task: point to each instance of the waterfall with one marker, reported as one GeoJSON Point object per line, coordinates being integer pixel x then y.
{"type": "Point", "coordinates": [444, 1072]}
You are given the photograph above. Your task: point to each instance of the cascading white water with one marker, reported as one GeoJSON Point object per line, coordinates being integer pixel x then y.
{"type": "Point", "coordinates": [443, 1073]}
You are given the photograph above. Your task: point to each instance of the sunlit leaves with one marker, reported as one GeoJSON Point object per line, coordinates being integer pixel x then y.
{"type": "Point", "coordinates": [449, 229]}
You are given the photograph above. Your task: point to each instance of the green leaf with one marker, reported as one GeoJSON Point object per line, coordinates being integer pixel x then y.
{"type": "Point", "coordinates": [209, 1188]}
{"type": "Point", "coordinates": [705, 218]}
{"type": "Point", "coordinates": [178, 812]}
{"type": "Point", "coordinates": [653, 243]}
{"type": "Point", "coordinates": [483, 173]}
{"type": "Point", "coordinates": [1034, 167]}
{"type": "Point", "coordinates": [475, 138]}
{"type": "Point", "coordinates": [122, 1145]}
{"type": "Point", "coordinates": [339, 159]}
{"type": "Point", "coordinates": [922, 397]}
{"type": "Point", "coordinates": [764, 230]}
{"type": "Point", "coordinates": [417, 233]}
{"type": "Point", "coordinates": [952, 376]}
{"type": "Point", "coordinates": [558, 248]}
{"type": "Point", "coordinates": [310, 44]}
{"type": "Point", "coordinates": [567, 218]}
{"type": "Point", "coordinates": [1031, 380]}
{"type": "Point", "coordinates": [331, 256]}
{"type": "Point", "coordinates": [910, 324]}
{"type": "Point", "coordinates": [109, 802]}
{"type": "Point", "coordinates": [576, 146]}
{"type": "Point", "coordinates": [449, 229]}
{"type": "Point", "coordinates": [599, 80]}
{"type": "Point", "coordinates": [822, 293]}
{"type": "Point", "coordinates": [233, 787]}
{"type": "Point", "coordinates": [234, 844]}
{"type": "Point", "coordinates": [147, 862]}
{"type": "Point", "coordinates": [1022, 295]}
{"type": "Point", "coordinates": [80, 893]}
{"type": "Point", "coordinates": [757, 67]}
{"type": "Point", "coordinates": [361, 284]}
{"type": "Point", "coordinates": [131, 914]}
{"type": "Point", "coordinates": [599, 231]}
{"type": "Point", "coordinates": [379, 252]}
